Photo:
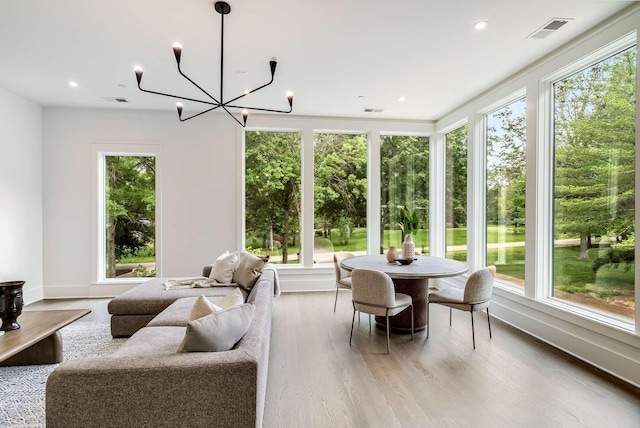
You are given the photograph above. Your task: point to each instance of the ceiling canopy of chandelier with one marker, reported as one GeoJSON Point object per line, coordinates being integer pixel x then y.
{"type": "Point", "coordinates": [223, 9]}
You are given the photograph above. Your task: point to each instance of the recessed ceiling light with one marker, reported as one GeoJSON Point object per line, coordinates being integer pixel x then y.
{"type": "Point", "coordinates": [402, 99]}
{"type": "Point", "coordinates": [73, 84]}
{"type": "Point", "coordinates": [480, 25]}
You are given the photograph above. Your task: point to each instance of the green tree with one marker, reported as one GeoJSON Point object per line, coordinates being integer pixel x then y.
{"type": "Point", "coordinates": [404, 179]}
{"type": "Point", "coordinates": [595, 150]}
{"type": "Point", "coordinates": [340, 187]}
{"type": "Point", "coordinates": [272, 186]}
{"type": "Point", "coordinates": [130, 205]}
{"type": "Point", "coordinates": [456, 212]}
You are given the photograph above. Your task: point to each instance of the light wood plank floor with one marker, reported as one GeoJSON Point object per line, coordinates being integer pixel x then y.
{"type": "Point", "coordinates": [317, 380]}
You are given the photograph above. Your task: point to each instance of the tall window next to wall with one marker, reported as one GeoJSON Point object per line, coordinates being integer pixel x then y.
{"type": "Point", "coordinates": [456, 209]}
{"type": "Point", "coordinates": [404, 182]}
{"type": "Point", "coordinates": [273, 195]}
{"type": "Point", "coordinates": [594, 195]}
{"type": "Point", "coordinates": [340, 195]}
{"type": "Point", "coordinates": [130, 211]}
{"type": "Point", "coordinates": [505, 143]}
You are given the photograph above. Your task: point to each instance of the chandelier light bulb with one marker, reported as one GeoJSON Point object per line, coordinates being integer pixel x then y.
{"type": "Point", "coordinates": [138, 71]}
{"type": "Point", "coordinates": [245, 115]}
{"type": "Point", "coordinates": [179, 107]}
{"type": "Point", "coordinates": [247, 92]}
{"type": "Point", "coordinates": [177, 51]}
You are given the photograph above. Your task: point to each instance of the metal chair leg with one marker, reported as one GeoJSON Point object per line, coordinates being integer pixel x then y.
{"type": "Point", "coordinates": [473, 333]}
{"type": "Point", "coordinates": [336, 301]}
{"type": "Point", "coordinates": [489, 322]}
{"type": "Point", "coordinates": [428, 323]}
{"type": "Point", "coordinates": [450, 311]}
{"type": "Point", "coordinates": [352, 321]}
{"type": "Point", "coordinates": [369, 323]}
{"type": "Point", "coordinates": [387, 333]}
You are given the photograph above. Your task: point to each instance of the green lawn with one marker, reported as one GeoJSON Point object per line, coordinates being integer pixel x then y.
{"type": "Point", "coordinates": [144, 255]}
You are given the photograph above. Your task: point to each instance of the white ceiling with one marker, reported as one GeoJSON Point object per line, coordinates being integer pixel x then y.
{"type": "Point", "coordinates": [330, 52]}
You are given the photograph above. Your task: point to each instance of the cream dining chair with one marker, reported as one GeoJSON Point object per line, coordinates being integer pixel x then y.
{"type": "Point", "coordinates": [374, 294]}
{"type": "Point", "coordinates": [343, 277]}
{"type": "Point", "coordinates": [475, 296]}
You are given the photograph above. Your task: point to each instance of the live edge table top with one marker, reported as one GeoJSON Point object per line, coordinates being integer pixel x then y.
{"type": "Point", "coordinates": [34, 327]}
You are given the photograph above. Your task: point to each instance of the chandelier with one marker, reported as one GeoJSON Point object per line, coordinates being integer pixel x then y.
{"type": "Point", "coordinates": [223, 9]}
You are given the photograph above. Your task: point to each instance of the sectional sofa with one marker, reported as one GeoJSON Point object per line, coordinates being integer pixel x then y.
{"type": "Point", "coordinates": [147, 383]}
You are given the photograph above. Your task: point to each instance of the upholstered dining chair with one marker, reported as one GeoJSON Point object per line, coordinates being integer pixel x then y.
{"type": "Point", "coordinates": [374, 294]}
{"type": "Point", "coordinates": [475, 296]}
{"type": "Point", "coordinates": [343, 277]}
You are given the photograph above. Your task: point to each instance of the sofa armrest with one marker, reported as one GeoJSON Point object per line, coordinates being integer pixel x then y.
{"type": "Point", "coordinates": [206, 270]}
{"type": "Point", "coordinates": [168, 389]}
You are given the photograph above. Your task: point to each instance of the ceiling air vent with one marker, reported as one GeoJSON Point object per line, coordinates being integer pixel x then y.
{"type": "Point", "coordinates": [549, 28]}
{"type": "Point", "coordinates": [373, 110]}
{"type": "Point", "coordinates": [115, 100]}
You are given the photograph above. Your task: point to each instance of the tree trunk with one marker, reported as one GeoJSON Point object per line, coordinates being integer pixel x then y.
{"type": "Point", "coordinates": [285, 237]}
{"type": "Point", "coordinates": [111, 247]}
{"type": "Point", "coordinates": [584, 247]}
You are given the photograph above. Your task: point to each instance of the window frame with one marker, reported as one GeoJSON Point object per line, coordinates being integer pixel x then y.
{"type": "Point", "coordinates": [545, 215]}
{"type": "Point", "coordinates": [99, 154]}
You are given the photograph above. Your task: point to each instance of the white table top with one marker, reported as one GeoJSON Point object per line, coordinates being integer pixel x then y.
{"type": "Point", "coordinates": [423, 267]}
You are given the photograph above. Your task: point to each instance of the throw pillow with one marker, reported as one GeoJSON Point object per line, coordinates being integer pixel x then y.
{"type": "Point", "coordinates": [249, 271]}
{"type": "Point", "coordinates": [202, 308]}
{"type": "Point", "coordinates": [234, 298]}
{"type": "Point", "coordinates": [219, 331]}
{"type": "Point", "coordinates": [224, 267]}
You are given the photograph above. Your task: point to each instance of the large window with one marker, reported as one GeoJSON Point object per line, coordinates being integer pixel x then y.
{"type": "Point", "coordinates": [594, 194]}
{"type": "Point", "coordinates": [505, 142]}
{"type": "Point", "coordinates": [456, 188]}
{"type": "Point", "coordinates": [404, 182]}
{"type": "Point", "coordinates": [129, 216]}
{"type": "Point", "coordinates": [273, 195]}
{"type": "Point", "coordinates": [340, 195]}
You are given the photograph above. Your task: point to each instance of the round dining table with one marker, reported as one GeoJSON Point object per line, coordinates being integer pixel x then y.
{"type": "Point", "coordinates": [411, 279]}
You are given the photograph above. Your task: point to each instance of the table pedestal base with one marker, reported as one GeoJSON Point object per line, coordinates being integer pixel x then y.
{"type": "Point", "coordinates": [418, 289]}
{"type": "Point", "coordinates": [46, 351]}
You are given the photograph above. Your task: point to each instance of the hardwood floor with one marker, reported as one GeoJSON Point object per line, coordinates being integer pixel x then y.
{"type": "Point", "coordinates": [317, 380]}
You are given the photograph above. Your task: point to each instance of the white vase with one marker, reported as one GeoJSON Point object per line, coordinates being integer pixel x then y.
{"type": "Point", "coordinates": [408, 247]}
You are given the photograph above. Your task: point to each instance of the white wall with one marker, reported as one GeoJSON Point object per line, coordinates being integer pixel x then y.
{"type": "Point", "coordinates": [21, 193]}
{"type": "Point", "coordinates": [198, 182]}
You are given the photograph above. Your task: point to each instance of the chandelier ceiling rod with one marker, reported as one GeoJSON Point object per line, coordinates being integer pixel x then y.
{"type": "Point", "coordinates": [223, 9]}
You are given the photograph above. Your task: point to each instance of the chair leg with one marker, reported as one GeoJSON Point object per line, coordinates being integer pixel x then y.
{"type": "Point", "coordinates": [489, 322]}
{"type": "Point", "coordinates": [428, 323]}
{"type": "Point", "coordinates": [369, 323]}
{"type": "Point", "coordinates": [352, 321]}
{"type": "Point", "coordinates": [473, 332]}
{"type": "Point", "coordinates": [450, 311]}
{"type": "Point", "coordinates": [387, 334]}
{"type": "Point", "coordinates": [336, 301]}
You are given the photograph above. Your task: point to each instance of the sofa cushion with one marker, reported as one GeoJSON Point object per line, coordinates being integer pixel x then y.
{"type": "Point", "coordinates": [152, 341]}
{"type": "Point", "coordinates": [224, 267]}
{"type": "Point", "coordinates": [248, 271]}
{"type": "Point", "coordinates": [201, 308]}
{"type": "Point", "coordinates": [219, 331]}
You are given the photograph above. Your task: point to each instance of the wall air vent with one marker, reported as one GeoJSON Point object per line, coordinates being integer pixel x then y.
{"type": "Point", "coordinates": [549, 28]}
{"type": "Point", "coordinates": [373, 110]}
{"type": "Point", "coordinates": [115, 100]}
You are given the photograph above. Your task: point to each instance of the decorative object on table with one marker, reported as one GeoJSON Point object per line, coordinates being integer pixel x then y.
{"type": "Point", "coordinates": [10, 304]}
{"type": "Point", "coordinates": [392, 254]}
{"type": "Point", "coordinates": [223, 8]}
{"type": "Point", "coordinates": [409, 224]}
{"type": "Point", "coordinates": [408, 248]}
{"type": "Point", "coordinates": [405, 262]}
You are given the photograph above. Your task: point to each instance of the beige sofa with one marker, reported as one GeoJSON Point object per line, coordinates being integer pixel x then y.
{"type": "Point", "coordinates": [146, 383]}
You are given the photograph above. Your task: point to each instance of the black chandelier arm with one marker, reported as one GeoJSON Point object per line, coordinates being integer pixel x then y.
{"type": "Point", "coordinates": [250, 92]}
{"type": "Point", "coordinates": [196, 85]}
{"type": "Point", "coordinates": [198, 114]}
{"type": "Point", "coordinates": [217, 104]}
{"type": "Point", "coordinates": [231, 114]}
{"type": "Point", "coordinates": [260, 109]}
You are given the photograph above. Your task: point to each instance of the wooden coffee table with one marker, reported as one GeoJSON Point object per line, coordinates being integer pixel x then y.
{"type": "Point", "coordinates": [37, 341]}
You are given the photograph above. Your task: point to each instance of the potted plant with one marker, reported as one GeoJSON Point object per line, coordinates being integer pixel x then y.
{"type": "Point", "coordinates": [409, 225]}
